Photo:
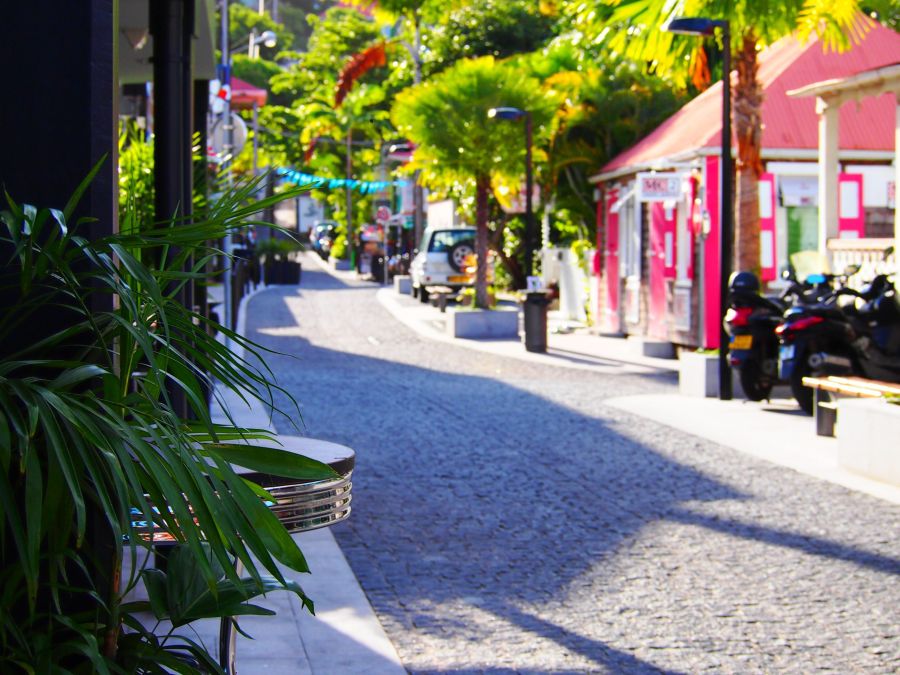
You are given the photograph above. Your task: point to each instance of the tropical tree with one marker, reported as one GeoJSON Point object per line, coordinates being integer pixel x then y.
{"type": "Point", "coordinates": [358, 124]}
{"type": "Point", "coordinates": [635, 29]}
{"type": "Point", "coordinates": [498, 28]}
{"type": "Point", "coordinates": [459, 144]}
{"type": "Point", "coordinates": [606, 105]}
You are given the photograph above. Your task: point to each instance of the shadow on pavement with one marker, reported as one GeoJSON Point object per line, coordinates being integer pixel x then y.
{"type": "Point", "coordinates": [468, 487]}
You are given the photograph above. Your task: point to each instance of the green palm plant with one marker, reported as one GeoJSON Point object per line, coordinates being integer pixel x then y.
{"type": "Point", "coordinates": [88, 433]}
{"type": "Point", "coordinates": [457, 143]}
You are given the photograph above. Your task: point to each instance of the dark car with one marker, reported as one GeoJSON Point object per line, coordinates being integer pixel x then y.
{"type": "Point", "coordinates": [321, 237]}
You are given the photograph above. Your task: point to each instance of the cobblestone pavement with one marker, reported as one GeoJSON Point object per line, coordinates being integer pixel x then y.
{"type": "Point", "coordinates": [507, 521]}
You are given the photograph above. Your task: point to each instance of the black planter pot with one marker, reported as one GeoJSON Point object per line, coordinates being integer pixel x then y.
{"type": "Point", "coordinates": [282, 272]}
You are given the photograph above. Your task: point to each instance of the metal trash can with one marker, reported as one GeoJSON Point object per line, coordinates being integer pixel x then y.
{"type": "Point", "coordinates": [535, 311]}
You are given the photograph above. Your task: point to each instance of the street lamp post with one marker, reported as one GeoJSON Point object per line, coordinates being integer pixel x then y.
{"type": "Point", "coordinates": [700, 26]}
{"type": "Point", "coordinates": [506, 113]}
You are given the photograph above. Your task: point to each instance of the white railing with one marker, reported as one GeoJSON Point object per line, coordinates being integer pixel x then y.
{"type": "Point", "coordinates": [869, 254]}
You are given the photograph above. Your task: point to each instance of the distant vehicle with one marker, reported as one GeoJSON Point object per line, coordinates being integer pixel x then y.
{"type": "Point", "coordinates": [442, 260]}
{"type": "Point", "coordinates": [321, 237]}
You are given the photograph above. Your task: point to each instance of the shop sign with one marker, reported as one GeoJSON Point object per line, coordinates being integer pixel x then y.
{"type": "Point", "coordinates": [659, 187]}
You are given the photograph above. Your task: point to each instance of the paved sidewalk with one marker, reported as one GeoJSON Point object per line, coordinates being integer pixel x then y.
{"type": "Point", "coordinates": [345, 636]}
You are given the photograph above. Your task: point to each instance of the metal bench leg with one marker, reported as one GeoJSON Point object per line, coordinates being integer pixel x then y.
{"type": "Point", "coordinates": [826, 413]}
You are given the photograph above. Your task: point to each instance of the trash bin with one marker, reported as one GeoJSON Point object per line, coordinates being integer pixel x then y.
{"type": "Point", "coordinates": [535, 310]}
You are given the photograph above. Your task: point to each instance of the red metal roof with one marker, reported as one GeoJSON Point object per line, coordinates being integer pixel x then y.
{"type": "Point", "coordinates": [788, 123]}
{"type": "Point", "coordinates": [244, 94]}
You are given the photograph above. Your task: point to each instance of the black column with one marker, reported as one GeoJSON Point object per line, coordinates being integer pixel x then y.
{"type": "Point", "coordinates": [171, 26]}
{"type": "Point", "coordinates": [58, 113]}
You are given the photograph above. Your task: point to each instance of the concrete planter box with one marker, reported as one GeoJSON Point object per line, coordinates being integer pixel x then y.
{"type": "Point", "coordinates": [657, 349]}
{"type": "Point", "coordinates": [339, 265]}
{"type": "Point", "coordinates": [482, 323]}
{"type": "Point", "coordinates": [402, 284]}
{"type": "Point", "coordinates": [698, 375]}
{"type": "Point", "coordinates": [867, 434]}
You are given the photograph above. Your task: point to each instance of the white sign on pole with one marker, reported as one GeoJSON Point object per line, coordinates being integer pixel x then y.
{"type": "Point", "coordinates": [659, 187]}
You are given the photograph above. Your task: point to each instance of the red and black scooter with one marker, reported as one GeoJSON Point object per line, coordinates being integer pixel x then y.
{"type": "Point", "coordinates": [751, 321]}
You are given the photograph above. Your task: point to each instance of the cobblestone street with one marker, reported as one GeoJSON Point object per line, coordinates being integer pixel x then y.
{"type": "Point", "coordinates": [507, 520]}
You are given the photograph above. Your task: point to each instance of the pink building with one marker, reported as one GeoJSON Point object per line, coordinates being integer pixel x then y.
{"type": "Point", "coordinates": [658, 213]}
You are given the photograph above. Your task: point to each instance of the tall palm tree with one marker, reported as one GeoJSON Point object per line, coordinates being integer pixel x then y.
{"type": "Point", "coordinates": [457, 142]}
{"type": "Point", "coordinates": [635, 29]}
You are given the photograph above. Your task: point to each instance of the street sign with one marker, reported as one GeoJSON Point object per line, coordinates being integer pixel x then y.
{"type": "Point", "coordinates": [382, 215]}
{"type": "Point", "coordinates": [217, 135]}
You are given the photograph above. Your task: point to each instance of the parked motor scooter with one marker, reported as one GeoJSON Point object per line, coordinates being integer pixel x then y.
{"type": "Point", "coordinates": [830, 339]}
{"type": "Point", "coordinates": [751, 321]}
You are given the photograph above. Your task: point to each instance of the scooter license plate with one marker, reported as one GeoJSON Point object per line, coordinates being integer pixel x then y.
{"type": "Point", "coordinates": [786, 352]}
{"type": "Point", "coordinates": [742, 342]}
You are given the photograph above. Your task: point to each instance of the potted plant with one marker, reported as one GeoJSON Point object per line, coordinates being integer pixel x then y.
{"type": "Point", "coordinates": [275, 255]}
{"type": "Point", "coordinates": [91, 434]}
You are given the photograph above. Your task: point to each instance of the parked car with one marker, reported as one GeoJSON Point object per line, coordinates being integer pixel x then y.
{"type": "Point", "coordinates": [321, 237]}
{"type": "Point", "coordinates": [441, 260]}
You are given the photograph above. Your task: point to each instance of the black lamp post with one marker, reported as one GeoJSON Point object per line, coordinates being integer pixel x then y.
{"type": "Point", "coordinates": [504, 113]}
{"type": "Point", "coordinates": [699, 26]}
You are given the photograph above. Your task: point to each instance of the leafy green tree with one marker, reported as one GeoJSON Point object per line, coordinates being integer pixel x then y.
{"type": "Point", "coordinates": [336, 37]}
{"type": "Point", "coordinates": [498, 28]}
{"type": "Point", "coordinates": [605, 108]}
{"type": "Point", "coordinates": [458, 144]}
{"type": "Point", "coordinates": [242, 20]}
{"type": "Point", "coordinates": [355, 127]}
{"type": "Point", "coordinates": [635, 29]}
{"type": "Point", "coordinates": [294, 13]}
{"type": "Point", "coordinates": [257, 72]}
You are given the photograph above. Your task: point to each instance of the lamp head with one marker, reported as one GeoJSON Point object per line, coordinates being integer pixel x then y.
{"type": "Point", "coordinates": [506, 113]}
{"type": "Point", "coordinates": [693, 26]}
{"type": "Point", "coordinates": [268, 38]}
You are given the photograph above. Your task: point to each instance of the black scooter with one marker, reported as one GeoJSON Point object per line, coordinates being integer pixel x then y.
{"type": "Point", "coordinates": [751, 321]}
{"type": "Point", "coordinates": [830, 339]}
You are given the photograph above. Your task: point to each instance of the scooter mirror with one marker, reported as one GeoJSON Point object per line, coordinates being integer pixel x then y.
{"type": "Point", "coordinates": [850, 270]}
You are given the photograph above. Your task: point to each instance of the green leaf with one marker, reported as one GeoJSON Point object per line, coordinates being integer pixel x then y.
{"type": "Point", "coordinates": [270, 460]}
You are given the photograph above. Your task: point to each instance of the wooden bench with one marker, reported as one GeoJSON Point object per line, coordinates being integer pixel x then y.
{"type": "Point", "coordinates": [441, 295]}
{"type": "Point", "coordinates": [857, 387]}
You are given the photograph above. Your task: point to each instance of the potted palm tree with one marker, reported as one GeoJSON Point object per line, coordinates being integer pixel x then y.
{"type": "Point", "coordinates": [92, 444]}
{"type": "Point", "coordinates": [468, 148]}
